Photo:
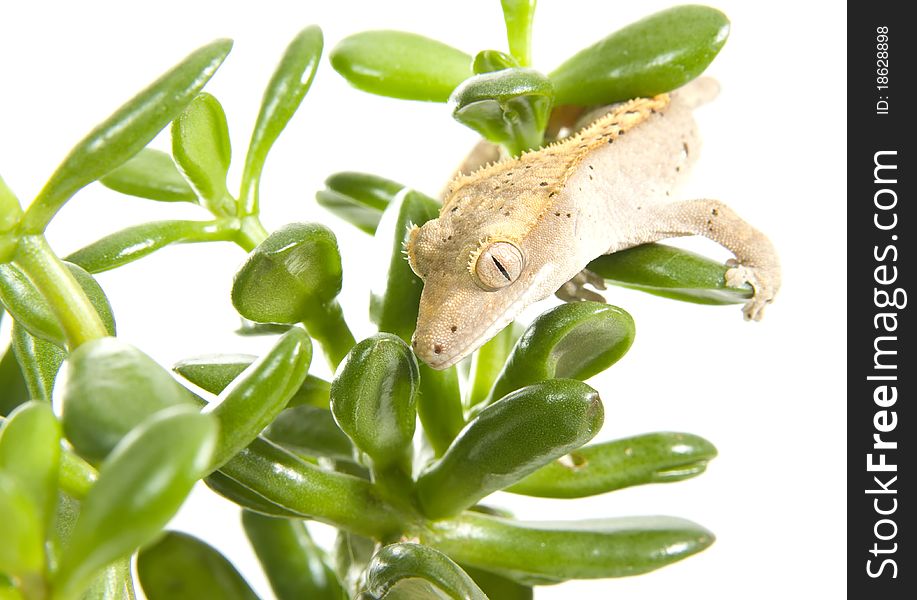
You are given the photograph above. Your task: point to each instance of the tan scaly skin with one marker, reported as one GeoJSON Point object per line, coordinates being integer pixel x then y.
{"type": "Point", "coordinates": [515, 232]}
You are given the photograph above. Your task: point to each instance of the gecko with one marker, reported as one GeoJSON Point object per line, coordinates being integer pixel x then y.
{"type": "Point", "coordinates": [514, 232]}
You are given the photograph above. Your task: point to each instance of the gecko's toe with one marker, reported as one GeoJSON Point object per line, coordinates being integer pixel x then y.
{"type": "Point", "coordinates": [575, 290]}
{"type": "Point", "coordinates": [764, 281]}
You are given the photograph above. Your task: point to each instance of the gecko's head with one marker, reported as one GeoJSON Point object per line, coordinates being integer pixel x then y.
{"type": "Point", "coordinates": [473, 287]}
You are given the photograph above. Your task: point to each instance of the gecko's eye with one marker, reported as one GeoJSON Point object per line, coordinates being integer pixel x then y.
{"type": "Point", "coordinates": [497, 265]}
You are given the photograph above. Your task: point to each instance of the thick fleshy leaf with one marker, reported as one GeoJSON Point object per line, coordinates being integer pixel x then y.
{"type": "Point", "coordinates": [509, 440]}
{"type": "Point", "coordinates": [235, 492]}
{"type": "Point", "coordinates": [40, 361]}
{"type": "Point", "coordinates": [518, 15]}
{"type": "Point", "coordinates": [498, 586]}
{"type": "Point", "coordinates": [650, 458]}
{"type": "Point", "coordinates": [140, 487]}
{"type": "Point", "coordinates": [133, 243]}
{"type": "Point", "coordinates": [258, 395]}
{"type": "Point", "coordinates": [30, 452]}
{"type": "Point", "coordinates": [13, 388]}
{"type": "Point", "coordinates": [358, 198]}
{"type": "Point", "coordinates": [401, 65]}
{"type": "Point", "coordinates": [310, 431]}
{"type": "Point", "coordinates": [22, 550]}
{"type": "Point", "coordinates": [126, 132]}
{"type": "Point", "coordinates": [295, 566]}
{"type": "Point", "coordinates": [310, 491]}
{"type": "Point", "coordinates": [488, 61]}
{"type": "Point", "coordinates": [657, 54]}
{"type": "Point", "coordinates": [575, 340]}
{"type": "Point", "coordinates": [554, 551]}
{"type": "Point", "coordinates": [109, 387]}
{"type": "Point", "coordinates": [76, 475]}
{"type": "Point", "coordinates": [181, 567]}
{"type": "Point", "coordinates": [284, 93]}
{"type": "Point", "coordinates": [150, 174]}
{"type": "Point", "coordinates": [295, 276]}
{"type": "Point", "coordinates": [374, 399]}
{"type": "Point", "coordinates": [400, 570]}
{"type": "Point", "coordinates": [200, 145]}
{"type": "Point", "coordinates": [31, 310]}
{"type": "Point", "coordinates": [395, 295]}
{"type": "Point", "coordinates": [214, 373]}
{"type": "Point", "coordinates": [508, 107]}
{"type": "Point", "coordinates": [671, 273]}
{"type": "Point", "coordinates": [113, 583]}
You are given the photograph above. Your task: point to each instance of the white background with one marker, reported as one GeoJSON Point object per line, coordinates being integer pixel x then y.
{"type": "Point", "coordinates": [770, 395]}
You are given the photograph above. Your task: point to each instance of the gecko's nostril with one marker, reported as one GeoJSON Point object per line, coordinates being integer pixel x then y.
{"type": "Point", "coordinates": [437, 349]}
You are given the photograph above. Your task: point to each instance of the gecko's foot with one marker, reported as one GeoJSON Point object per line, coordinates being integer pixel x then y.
{"type": "Point", "coordinates": [764, 281]}
{"type": "Point", "coordinates": [575, 290]}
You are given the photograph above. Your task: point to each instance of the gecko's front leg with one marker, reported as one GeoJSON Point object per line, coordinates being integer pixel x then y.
{"type": "Point", "coordinates": [756, 261]}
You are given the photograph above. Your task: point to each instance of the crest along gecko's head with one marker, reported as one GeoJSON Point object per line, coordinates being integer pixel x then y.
{"type": "Point", "coordinates": [475, 283]}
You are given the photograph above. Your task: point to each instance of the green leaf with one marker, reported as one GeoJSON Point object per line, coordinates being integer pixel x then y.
{"type": "Point", "coordinates": [358, 198]}
{"type": "Point", "coordinates": [575, 340]}
{"type": "Point", "coordinates": [498, 586]}
{"type": "Point", "coordinates": [650, 458]}
{"type": "Point", "coordinates": [396, 294]}
{"type": "Point", "coordinates": [133, 243]}
{"type": "Point", "coordinates": [293, 276]}
{"type": "Point", "coordinates": [488, 61]}
{"type": "Point", "coordinates": [374, 399]}
{"type": "Point", "coordinates": [258, 395]}
{"type": "Point", "coordinates": [235, 492]}
{"type": "Point", "coordinates": [126, 132]}
{"type": "Point", "coordinates": [13, 388]}
{"type": "Point", "coordinates": [252, 329]}
{"type": "Point", "coordinates": [510, 107]}
{"type": "Point", "coordinates": [200, 145]}
{"type": "Point", "coordinates": [284, 93]}
{"type": "Point", "coordinates": [426, 572]}
{"type": "Point", "coordinates": [140, 487]}
{"type": "Point", "coordinates": [554, 551]}
{"type": "Point", "coordinates": [310, 491]}
{"type": "Point", "coordinates": [182, 567]}
{"type": "Point", "coordinates": [31, 310]}
{"type": "Point", "coordinates": [22, 551]}
{"type": "Point", "coordinates": [215, 372]}
{"type": "Point", "coordinates": [108, 388]}
{"type": "Point", "coordinates": [295, 566]}
{"type": "Point", "coordinates": [518, 15]}
{"type": "Point", "coordinates": [400, 65]}
{"type": "Point", "coordinates": [40, 362]}
{"type": "Point", "coordinates": [657, 54]}
{"type": "Point", "coordinates": [509, 440]}
{"type": "Point", "coordinates": [150, 174]}
{"type": "Point", "coordinates": [76, 475]}
{"type": "Point", "coordinates": [671, 273]}
{"type": "Point", "coordinates": [114, 583]}
{"type": "Point", "coordinates": [310, 431]}
{"type": "Point", "coordinates": [30, 453]}
{"type": "Point", "coordinates": [488, 361]}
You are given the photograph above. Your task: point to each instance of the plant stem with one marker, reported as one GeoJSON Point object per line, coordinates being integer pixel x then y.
{"type": "Point", "coordinates": [331, 331]}
{"type": "Point", "coordinates": [54, 281]}
{"type": "Point", "coordinates": [251, 233]}
{"type": "Point", "coordinates": [440, 406]}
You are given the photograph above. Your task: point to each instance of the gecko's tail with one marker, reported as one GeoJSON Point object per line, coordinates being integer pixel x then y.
{"type": "Point", "coordinates": [697, 92]}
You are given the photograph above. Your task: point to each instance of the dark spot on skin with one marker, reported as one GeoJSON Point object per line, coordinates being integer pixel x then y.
{"type": "Point", "coordinates": [631, 113]}
{"type": "Point", "coordinates": [454, 208]}
{"type": "Point", "coordinates": [454, 328]}
{"type": "Point", "coordinates": [639, 207]}
{"type": "Point", "coordinates": [581, 146]}
{"type": "Point", "coordinates": [684, 146]}
{"type": "Point", "coordinates": [591, 168]}
{"type": "Point", "coordinates": [557, 214]}
{"type": "Point", "coordinates": [677, 169]}
{"type": "Point", "coordinates": [437, 349]}
{"type": "Point", "coordinates": [622, 132]}
{"type": "Point", "coordinates": [528, 166]}
{"type": "Point", "coordinates": [568, 215]}
{"type": "Point", "coordinates": [449, 238]}
{"type": "Point", "coordinates": [653, 111]}
{"type": "Point", "coordinates": [590, 177]}
{"type": "Point", "coordinates": [715, 212]}
{"type": "Point", "coordinates": [506, 214]}
{"type": "Point", "coordinates": [667, 193]}
{"type": "Point", "coordinates": [496, 187]}
{"type": "Point", "coordinates": [611, 140]}
{"type": "Point", "coordinates": [552, 194]}
{"type": "Point", "coordinates": [543, 183]}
